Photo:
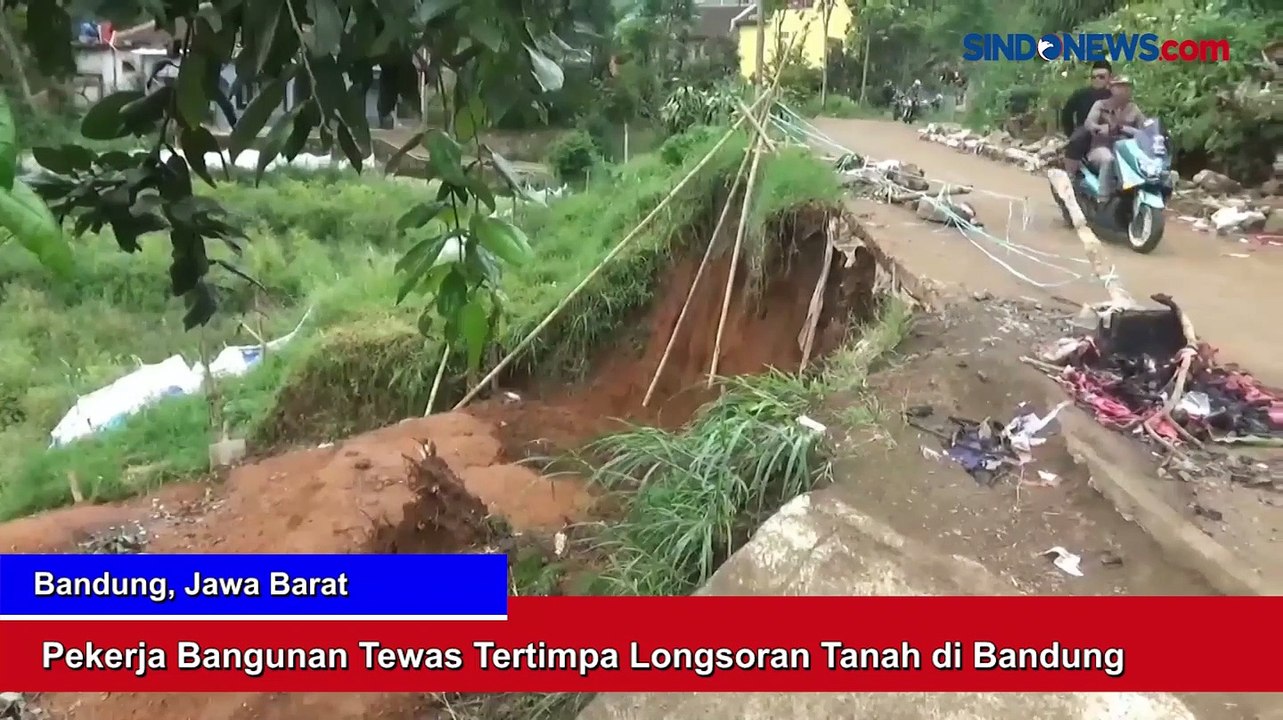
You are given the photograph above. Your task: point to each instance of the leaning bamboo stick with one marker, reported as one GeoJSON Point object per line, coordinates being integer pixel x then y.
{"type": "Point", "coordinates": [735, 257]}
{"type": "Point", "coordinates": [757, 124]}
{"type": "Point", "coordinates": [525, 342]}
{"type": "Point", "coordinates": [699, 273]}
{"type": "Point", "coordinates": [816, 308]}
{"type": "Point", "coordinates": [1063, 187]}
{"type": "Point", "coordinates": [436, 382]}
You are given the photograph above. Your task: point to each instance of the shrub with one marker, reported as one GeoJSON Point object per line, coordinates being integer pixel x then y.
{"type": "Point", "coordinates": [573, 156]}
{"type": "Point", "coordinates": [838, 106]}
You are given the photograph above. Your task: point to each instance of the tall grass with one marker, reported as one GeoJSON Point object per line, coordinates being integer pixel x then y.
{"type": "Point", "coordinates": [694, 494]}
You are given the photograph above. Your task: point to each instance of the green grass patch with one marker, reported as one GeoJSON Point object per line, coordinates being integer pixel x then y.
{"type": "Point", "coordinates": [693, 495]}
{"type": "Point", "coordinates": [329, 243]}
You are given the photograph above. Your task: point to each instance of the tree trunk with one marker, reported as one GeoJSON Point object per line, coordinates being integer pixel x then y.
{"type": "Point", "coordinates": [864, 74]}
{"type": "Point", "coordinates": [11, 49]}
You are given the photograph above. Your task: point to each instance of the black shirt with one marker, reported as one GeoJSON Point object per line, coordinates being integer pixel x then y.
{"type": "Point", "coordinates": [1078, 105]}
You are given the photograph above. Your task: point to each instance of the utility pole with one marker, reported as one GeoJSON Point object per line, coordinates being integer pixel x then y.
{"type": "Point", "coordinates": [761, 46]}
{"type": "Point", "coordinates": [827, 10]}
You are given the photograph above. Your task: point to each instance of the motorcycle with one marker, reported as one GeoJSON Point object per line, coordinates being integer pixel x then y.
{"type": "Point", "coordinates": [907, 109]}
{"type": "Point", "coordinates": [1143, 165]}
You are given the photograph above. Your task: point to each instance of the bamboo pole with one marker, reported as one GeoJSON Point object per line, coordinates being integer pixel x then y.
{"type": "Point", "coordinates": [436, 382]}
{"type": "Point", "coordinates": [735, 257]}
{"type": "Point", "coordinates": [699, 273]}
{"type": "Point", "coordinates": [1063, 187]}
{"type": "Point", "coordinates": [744, 210]}
{"type": "Point", "coordinates": [763, 136]}
{"type": "Point", "coordinates": [512, 355]}
{"type": "Point", "coordinates": [757, 124]}
{"type": "Point", "coordinates": [816, 309]}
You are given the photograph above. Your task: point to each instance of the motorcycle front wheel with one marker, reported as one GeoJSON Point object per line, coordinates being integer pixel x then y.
{"type": "Point", "coordinates": [1145, 229]}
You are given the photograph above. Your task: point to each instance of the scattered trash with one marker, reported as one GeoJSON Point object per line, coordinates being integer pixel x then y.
{"type": "Point", "coordinates": [1024, 429]}
{"type": "Point", "coordinates": [1209, 513]}
{"type": "Point", "coordinates": [1065, 560]}
{"type": "Point", "coordinates": [128, 539]}
{"type": "Point", "coordinates": [919, 411]}
{"type": "Point", "coordinates": [559, 543]}
{"type": "Point", "coordinates": [13, 706]}
{"type": "Point", "coordinates": [988, 449]}
{"type": "Point", "coordinates": [1050, 479]}
{"type": "Point", "coordinates": [1110, 558]}
{"type": "Point", "coordinates": [1137, 373]}
{"type": "Point", "coordinates": [1195, 404]}
{"type": "Point", "coordinates": [810, 424]}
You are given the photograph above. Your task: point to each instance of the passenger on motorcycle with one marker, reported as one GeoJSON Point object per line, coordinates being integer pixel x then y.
{"type": "Point", "coordinates": [1109, 120]}
{"type": "Point", "coordinates": [1075, 111]}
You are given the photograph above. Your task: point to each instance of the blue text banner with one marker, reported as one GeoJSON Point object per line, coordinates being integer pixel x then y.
{"type": "Point", "coordinates": [245, 586]}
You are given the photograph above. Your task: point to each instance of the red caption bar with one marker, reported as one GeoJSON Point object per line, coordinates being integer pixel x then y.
{"type": "Point", "coordinates": [724, 644]}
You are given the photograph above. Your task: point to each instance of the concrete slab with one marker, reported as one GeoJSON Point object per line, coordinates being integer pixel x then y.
{"type": "Point", "coordinates": [820, 545]}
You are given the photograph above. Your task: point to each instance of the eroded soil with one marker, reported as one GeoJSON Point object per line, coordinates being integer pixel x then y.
{"type": "Point", "coordinates": [440, 483]}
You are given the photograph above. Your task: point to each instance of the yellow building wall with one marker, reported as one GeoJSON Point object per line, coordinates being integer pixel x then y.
{"type": "Point", "coordinates": [787, 23]}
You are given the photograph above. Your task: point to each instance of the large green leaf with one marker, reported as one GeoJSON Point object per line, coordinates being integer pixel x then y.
{"type": "Point", "coordinates": [256, 116]}
{"type": "Point", "coordinates": [193, 100]}
{"type": "Point", "coordinates": [8, 145]}
{"type": "Point", "coordinates": [446, 157]}
{"type": "Point", "coordinates": [501, 238]}
{"type": "Point", "coordinates": [104, 121]}
{"type": "Point", "coordinates": [24, 215]}
{"type": "Point", "coordinates": [327, 26]}
{"type": "Point", "coordinates": [474, 326]}
{"type": "Point", "coordinates": [547, 72]}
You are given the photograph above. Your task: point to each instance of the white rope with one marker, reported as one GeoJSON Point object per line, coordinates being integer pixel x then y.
{"type": "Point", "coordinates": [801, 129]}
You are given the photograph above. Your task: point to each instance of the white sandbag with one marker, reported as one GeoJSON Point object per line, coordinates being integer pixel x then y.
{"type": "Point", "coordinates": [109, 406]}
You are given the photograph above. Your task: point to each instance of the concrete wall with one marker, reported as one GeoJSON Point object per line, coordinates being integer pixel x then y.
{"type": "Point", "coordinates": [807, 21]}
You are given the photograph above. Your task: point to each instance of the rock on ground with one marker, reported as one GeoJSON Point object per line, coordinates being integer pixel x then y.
{"type": "Point", "coordinates": [819, 545]}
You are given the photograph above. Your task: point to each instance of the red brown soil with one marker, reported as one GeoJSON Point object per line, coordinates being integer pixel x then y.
{"type": "Point", "coordinates": [376, 493]}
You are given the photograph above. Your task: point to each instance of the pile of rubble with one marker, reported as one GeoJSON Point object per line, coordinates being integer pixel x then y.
{"type": "Point", "coordinates": [14, 706]}
{"type": "Point", "coordinates": [905, 184]}
{"type": "Point", "coordinates": [1214, 202]}
{"type": "Point", "coordinates": [1144, 371]}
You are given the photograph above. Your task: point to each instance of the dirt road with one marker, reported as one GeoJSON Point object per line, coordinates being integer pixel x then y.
{"type": "Point", "coordinates": [1230, 299]}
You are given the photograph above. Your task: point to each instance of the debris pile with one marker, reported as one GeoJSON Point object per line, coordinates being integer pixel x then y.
{"type": "Point", "coordinates": [990, 450]}
{"type": "Point", "coordinates": [905, 184]}
{"type": "Point", "coordinates": [1144, 371]}
{"type": "Point", "coordinates": [1214, 202]}
{"type": "Point", "coordinates": [13, 706]}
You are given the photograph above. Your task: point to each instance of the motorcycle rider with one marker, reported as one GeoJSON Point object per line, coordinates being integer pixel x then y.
{"type": "Point", "coordinates": [1109, 119]}
{"type": "Point", "coordinates": [888, 93]}
{"type": "Point", "coordinates": [913, 99]}
{"type": "Point", "coordinates": [1075, 111]}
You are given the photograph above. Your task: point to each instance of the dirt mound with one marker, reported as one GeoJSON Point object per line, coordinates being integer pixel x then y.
{"type": "Point", "coordinates": [455, 480]}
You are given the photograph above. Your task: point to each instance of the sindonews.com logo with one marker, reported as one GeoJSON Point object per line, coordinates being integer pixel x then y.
{"type": "Point", "coordinates": [1091, 47]}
